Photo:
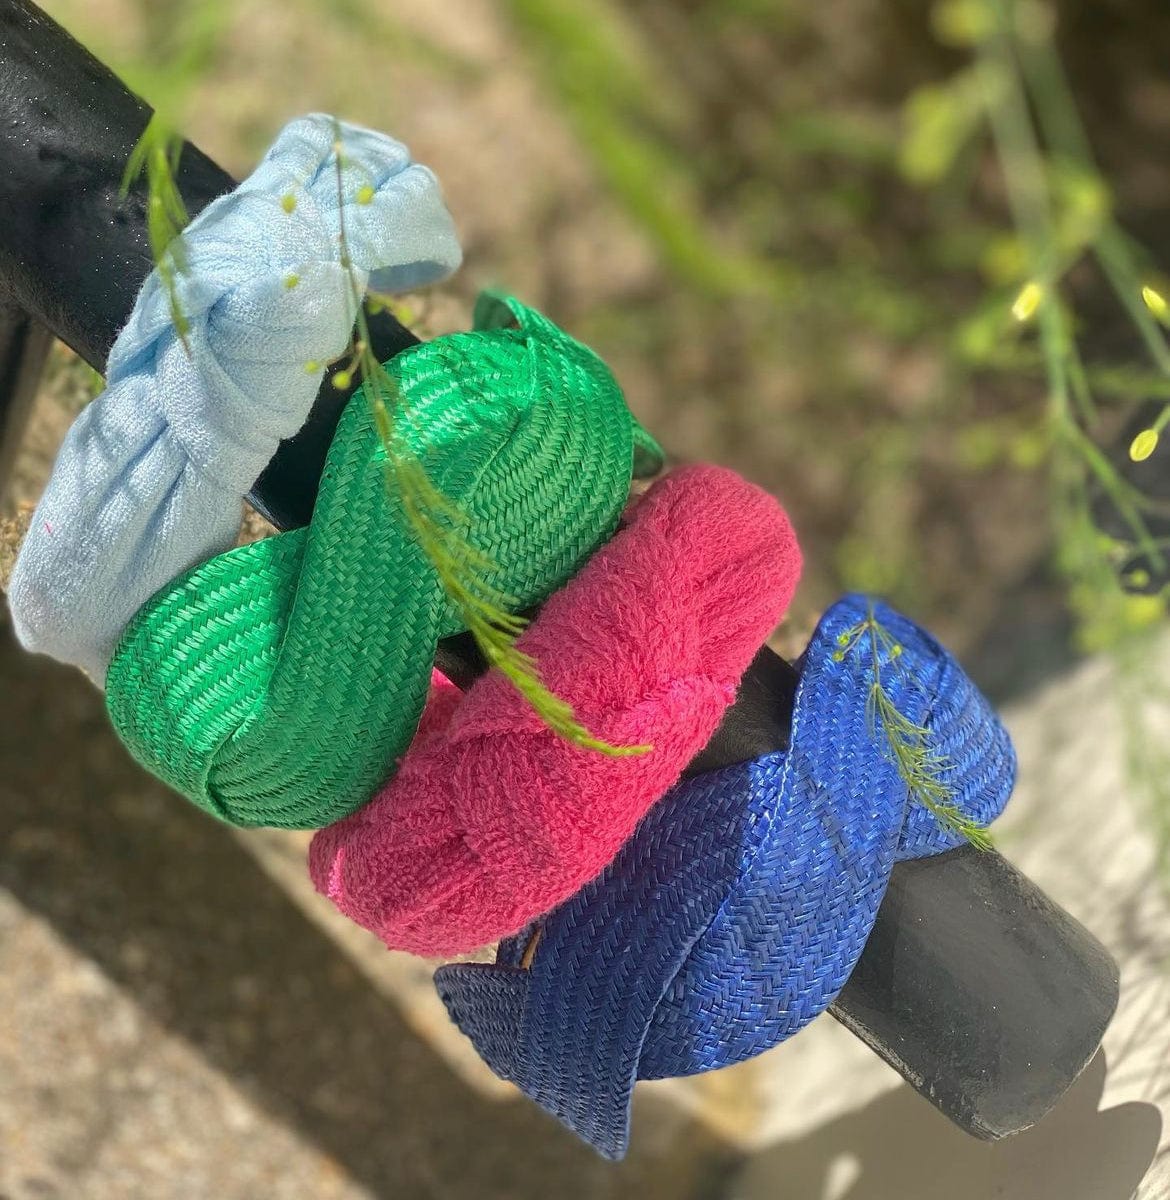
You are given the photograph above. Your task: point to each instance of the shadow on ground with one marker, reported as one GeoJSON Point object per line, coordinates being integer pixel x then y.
{"type": "Point", "coordinates": [169, 906]}
{"type": "Point", "coordinates": [897, 1146]}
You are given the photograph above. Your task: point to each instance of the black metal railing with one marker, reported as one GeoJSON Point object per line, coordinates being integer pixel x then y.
{"type": "Point", "coordinates": [24, 346]}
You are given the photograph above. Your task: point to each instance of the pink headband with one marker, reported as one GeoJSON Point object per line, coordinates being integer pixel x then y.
{"type": "Point", "coordinates": [492, 820]}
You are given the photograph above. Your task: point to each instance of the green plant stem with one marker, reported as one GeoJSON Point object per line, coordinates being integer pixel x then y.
{"type": "Point", "coordinates": [1031, 203]}
{"type": "Point", "coordinates": [1056, 111]}
{"type": "Point", "coordinates": [441, 529]}
{"type": "Point", "coordinates": [908, 745]}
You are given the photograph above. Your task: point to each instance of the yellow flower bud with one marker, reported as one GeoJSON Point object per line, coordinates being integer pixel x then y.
{"type": "Point", "coordinates": [1156, 302]}
{"type": "Point", "coordinates": [1143, 445]}
{"type": "Point", "coordinates": [1028, 301]}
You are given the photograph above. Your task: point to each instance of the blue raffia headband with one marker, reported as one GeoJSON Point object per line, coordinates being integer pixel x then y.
{"type": "Point", "coordinates": [741, 905]}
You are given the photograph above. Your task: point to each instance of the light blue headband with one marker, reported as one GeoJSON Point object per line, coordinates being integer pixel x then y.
{"type": "Point", "coordinates": [150, 478]}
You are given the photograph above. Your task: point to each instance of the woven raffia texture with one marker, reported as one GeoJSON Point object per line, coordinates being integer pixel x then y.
{"type": "Point", "coordinates": [493, 819]}
{"type": "Point", "coordinates": [278, 683]}
{"type": "Point", "coordinates": [740, 906]}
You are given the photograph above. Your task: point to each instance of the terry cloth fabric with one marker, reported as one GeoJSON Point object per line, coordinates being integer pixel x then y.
{"type": "Point", "coordinates": [492, 819]}
{"type": "Point", "coordinates": [150, 479]}
{"type": "Point", "coordinates": [740, 906]}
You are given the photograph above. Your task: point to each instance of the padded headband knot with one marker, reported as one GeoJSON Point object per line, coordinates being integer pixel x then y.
{"type": "Point", "coordinates": [279, 683]}
{"type": "Point", "coordinates": [150, 477]}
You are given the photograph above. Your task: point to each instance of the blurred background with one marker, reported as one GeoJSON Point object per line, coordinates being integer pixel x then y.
{"type": "Point", "coordinates": [900, 262]}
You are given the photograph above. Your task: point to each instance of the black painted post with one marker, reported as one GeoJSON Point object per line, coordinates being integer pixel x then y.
{"type": "Point", "coordinates": [985, 996]}
{"type": "Point", "coordinates": [24, 346]}
{"type": "Point", "coordinates": [74, 254]}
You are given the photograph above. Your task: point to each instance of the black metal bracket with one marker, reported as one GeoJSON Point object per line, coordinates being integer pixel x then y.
{"type": "Point", "coordinates": [24, 347]}
{"type": "Point", "coordinates": [985, 996]}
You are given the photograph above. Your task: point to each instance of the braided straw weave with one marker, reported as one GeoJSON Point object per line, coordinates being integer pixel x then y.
{"type": "Point", "coordinates": [743, 901]}
{"type": "Point", "coordinates": [493, 818]}
{"type": "Point", "coordinates": [278, 683]}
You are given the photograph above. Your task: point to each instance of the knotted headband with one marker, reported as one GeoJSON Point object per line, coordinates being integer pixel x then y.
{"type": "Point", "coordinates": [150, 478]}
{"type": "Point", "coordinates": [740, 906]}
{"type": "Point", "coordinates": [492, 819]}
{"type": "Point", "coordinates": [278, 683]}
